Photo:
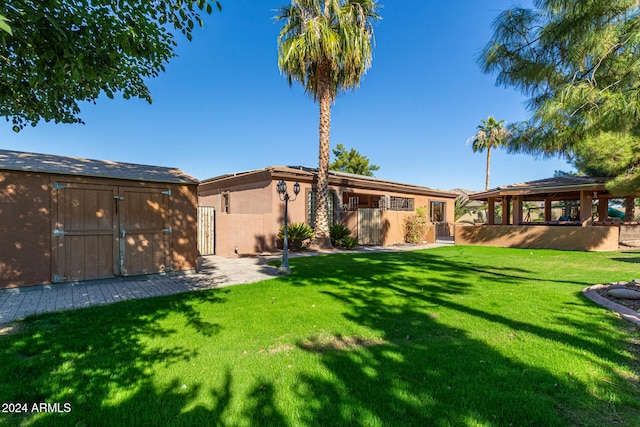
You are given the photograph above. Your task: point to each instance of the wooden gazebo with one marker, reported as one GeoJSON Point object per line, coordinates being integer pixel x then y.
{"type": "Point", "coordinates": [592, 229]}
{"type": "Point", "coordinates": [584, 190]}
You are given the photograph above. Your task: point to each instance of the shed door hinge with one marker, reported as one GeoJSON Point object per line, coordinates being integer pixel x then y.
{"type": "Point", "coordinates": [167, 193]}
{"type": "Point", "coordinates": [58, 279]}
{"type": "Point", "coordinates": [57, 186]}
{"type": "Point", "coordinates": [58, 233]}
{"type": "Point", "coordinates": [167, 230]}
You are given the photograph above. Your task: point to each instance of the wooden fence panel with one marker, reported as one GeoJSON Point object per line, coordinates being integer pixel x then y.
{"type": "Point", "coordinates": [369, 226]}
{"type": "Point", "coordinates": [206, 230]}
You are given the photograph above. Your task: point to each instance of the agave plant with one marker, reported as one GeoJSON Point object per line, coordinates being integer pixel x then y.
{"type": "Point", "coordinates": [338, 232]}
{"type": "Point", "coordinates": [299, 235]}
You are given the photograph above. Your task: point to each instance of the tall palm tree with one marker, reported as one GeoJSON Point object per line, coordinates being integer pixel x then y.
{"type": "Point", "coordinates": [491, 133]}
{"type": "Point", "coordinates": [327, 46]}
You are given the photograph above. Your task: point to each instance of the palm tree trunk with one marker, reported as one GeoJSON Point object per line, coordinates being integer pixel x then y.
{"type": "Point", "coordinates": [321, 229]}
{"type": "Point", "coordinates": [486, 185]}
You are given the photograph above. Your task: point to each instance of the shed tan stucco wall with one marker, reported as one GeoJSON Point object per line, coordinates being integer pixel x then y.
{"type": "Point", "coordinates": [183, 216]}
{"type": "Point", "coordinates": [539, 236]}
{"type": "Point", "coordinates": [25, 229]}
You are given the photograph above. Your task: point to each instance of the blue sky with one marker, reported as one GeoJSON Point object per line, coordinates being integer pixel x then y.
{"type": "Point", "coordinates": [222, 106]}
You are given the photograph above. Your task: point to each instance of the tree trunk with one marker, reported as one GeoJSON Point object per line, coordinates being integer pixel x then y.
{"type": "Point", "coordinates": [486, 185]}
{"type": "Point", "coordinates": [629, 208]}
{"type": "Point", "coordinates": [321, 229]}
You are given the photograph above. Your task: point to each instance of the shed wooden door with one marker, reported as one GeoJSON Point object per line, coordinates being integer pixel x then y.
{"type": "Point", "coordinates": [84, 238]}
{"type": "Point", "coordinates": [144, 231]}
{"type": "Point", "coordinates": [103, 231]}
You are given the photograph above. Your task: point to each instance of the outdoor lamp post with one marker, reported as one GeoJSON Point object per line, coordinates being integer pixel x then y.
{"type": "Point", "coordinates": [284, 196]}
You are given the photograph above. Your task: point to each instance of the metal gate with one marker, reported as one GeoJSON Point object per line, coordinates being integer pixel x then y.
{"type": "Point", "coordinates": [444, 232]}
{"type": "Point", "coordinates": [103, 231]}
{"type": "Point", "coordinates": [369, 226]}
{"type": "Point", "coordinates": [206, 230]}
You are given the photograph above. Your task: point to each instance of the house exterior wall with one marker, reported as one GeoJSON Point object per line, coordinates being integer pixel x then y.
{"type": "Point", "coordinates": [540, 236]}
{"type": "Point", "coordinates": [28, 212]}
{"type": "Point", "coordinates": [393, 222]}
{"type": "Point", "coordinates": [256, 212]}
{"type": "Point", "coordinates": [254, 217]}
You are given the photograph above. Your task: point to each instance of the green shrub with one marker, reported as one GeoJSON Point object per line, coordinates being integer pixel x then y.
{"type": "Point", "coordinates": [415, 226]}
{"type": "Point", "coordinates": [299, 235]}
{"type": "Point", "coordinates": [349, 242]}
{"type": "Point", "coordinates": [337, 233]}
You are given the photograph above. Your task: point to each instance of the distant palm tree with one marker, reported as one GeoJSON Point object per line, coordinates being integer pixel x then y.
{"type": "Point", "coordinates": [491, 133]}
{"type": "Point", "coordinates": [327, 46]}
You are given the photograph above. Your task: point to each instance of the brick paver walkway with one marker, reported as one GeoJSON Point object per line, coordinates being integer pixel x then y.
{"type": "Point", "coordinates": [216, 271]}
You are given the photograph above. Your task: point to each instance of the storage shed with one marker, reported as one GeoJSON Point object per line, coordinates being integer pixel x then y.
{"type": "Point", "coordinates": [65, 219]}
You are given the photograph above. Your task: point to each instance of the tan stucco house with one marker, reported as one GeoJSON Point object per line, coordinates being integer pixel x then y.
{"type": "Point", "coordinates": [248, 212]}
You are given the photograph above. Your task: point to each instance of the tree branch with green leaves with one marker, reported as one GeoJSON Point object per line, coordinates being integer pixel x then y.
{"type": "Point", "coordinates": [351, 161]}
{"type": "Point", "coordinates": [579, 63]}
{"type": "Point", "coordinates": [59, 53]}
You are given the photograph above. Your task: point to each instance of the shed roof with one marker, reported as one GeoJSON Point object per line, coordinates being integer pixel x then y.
{"type": "Point", "coordinates": [34, 162]}
{"type": "Point", "coordinates": [335, 178]}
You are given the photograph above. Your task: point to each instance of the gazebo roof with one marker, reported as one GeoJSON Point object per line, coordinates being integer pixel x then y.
{"type": "Point", "coordinates": [560, 188]}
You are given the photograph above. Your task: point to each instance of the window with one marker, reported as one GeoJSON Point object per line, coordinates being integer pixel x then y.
{"type": "Point", "coordinates": [354, 202]}
{"type": "Point", "coordinates": [397, 204]}
{"type": "Point", "coordinates": [225, 203]}
{"type": "Point", "coordinates": [312, 206]}
{"type": "Point", "coordinates": [437, 211]}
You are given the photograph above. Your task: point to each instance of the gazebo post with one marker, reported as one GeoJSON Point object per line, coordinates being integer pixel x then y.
{"type": "Point", "coordinates": [547, 209]}
{"type": "Point", "coordinates": [517, 210]}
{"type": "Point", "coordinates": [506, 210]}
{"type": "Point", "coordinates": [586, 205]}
{"type": "Point", "coordinates": [491, 211]}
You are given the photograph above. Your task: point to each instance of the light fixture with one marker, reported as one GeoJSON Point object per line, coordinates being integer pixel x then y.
{"type": "Point", "coordinates": [281, 188]}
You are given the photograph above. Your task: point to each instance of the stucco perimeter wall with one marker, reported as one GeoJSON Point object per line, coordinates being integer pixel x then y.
{"type": "Point", "coordinates": [393, 226]}
{"type": "Point", "coordinates": [251, 233]}
{"type": "Point", "coordinates": [539, 236]}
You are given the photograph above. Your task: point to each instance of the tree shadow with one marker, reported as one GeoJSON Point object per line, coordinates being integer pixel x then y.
{"type": "Point", "coordinates": [396, 361]}
{"type": "Point", "coordinates": [109, 351]}
{"type": "Point", "coordinates": [420, 371]}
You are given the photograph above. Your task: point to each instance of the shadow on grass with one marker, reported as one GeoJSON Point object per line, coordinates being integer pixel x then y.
{"type": "Point", "coordinates": [416, 370]}
{"type": "Point", "coordinates": [106, 355]}
{"type": "Point", "coordinates": [427, 373]}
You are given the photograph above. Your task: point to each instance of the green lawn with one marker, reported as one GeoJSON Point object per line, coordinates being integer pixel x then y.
{"type": "Point", "coordinates": [454, 336]}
